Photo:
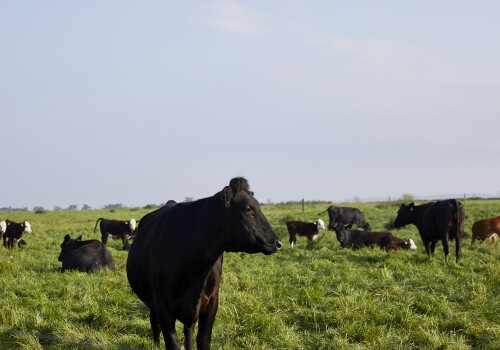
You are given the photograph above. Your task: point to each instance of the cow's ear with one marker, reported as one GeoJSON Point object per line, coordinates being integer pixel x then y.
{"type": "Point", "coordinates": [227, 196]}
{"type": "Point", "coordinates": [66, 238]}
{"type": "Point", "coordinates": [79, 238]}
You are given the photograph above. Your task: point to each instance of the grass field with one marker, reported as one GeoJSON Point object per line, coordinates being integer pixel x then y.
{"type": "Point", "coordinates": [315, 296]}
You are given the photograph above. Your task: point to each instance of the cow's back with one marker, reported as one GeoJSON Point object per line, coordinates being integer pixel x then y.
{"type": "Point", "coordinates": [89, 257]}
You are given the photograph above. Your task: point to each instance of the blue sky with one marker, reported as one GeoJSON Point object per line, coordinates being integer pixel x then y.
{"type": "Point", "coordinates": [140, 102]}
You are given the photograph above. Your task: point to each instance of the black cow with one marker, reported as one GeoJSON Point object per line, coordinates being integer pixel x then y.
{"type": "Point", "coordinates": [86, 256]}
{"type": "Point", "coordinates": [300, 228]}
{"type": "Point", "coordinates": [346, 216]}
{"type": "Point", "coordinates": [123, 229]}
{"type": "Point", "coordinates": [357, 239]}
{"type": "Point", "coordinates": [14, 232]}
{"type": "Point", "coordinates": [175, 263]}
{"type": "Point", "coordinates": [436, 221]}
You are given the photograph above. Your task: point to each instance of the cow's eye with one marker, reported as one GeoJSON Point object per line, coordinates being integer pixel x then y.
{"type": "Point", "coordinates": [248, 211]}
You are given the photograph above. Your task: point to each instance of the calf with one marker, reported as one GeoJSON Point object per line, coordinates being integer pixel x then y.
{"type": "Point", "coordinates": [300, 228]}
{"type": "Point", "coordinates": [346, 216]}
{"type": "Point", "coordinates": [357, 239]}
{"type": "Point", "coordinates": [85, 256]}
{"type": "Point", "coordinates": [123, 229]}
{"type": "Point", "coordinates": [399, 244]}
{"type": "Point", "coordinates": [436, 221]}
{"type": "Point", "coordinates": [14, 232]}
{"type": "Point", "coordinates": [175, 263]}
{"type": "Point", "coordinates": [485, 228]}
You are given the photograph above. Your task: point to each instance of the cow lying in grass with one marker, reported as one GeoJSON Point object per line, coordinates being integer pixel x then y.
{"type": "Point", "coordinates": [300, 228]}
{"type": "Point", "coordinates": [85, 256]}
{"type": "Point", "coordinates": [357, 239]}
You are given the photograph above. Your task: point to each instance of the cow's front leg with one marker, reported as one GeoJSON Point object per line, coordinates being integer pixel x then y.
{"type": "Point", "coordinates": [167, 324]}
{"type": "Point", "coordinates": [188, 337]}
{"type": "Point", "coordinates": [206, 322]}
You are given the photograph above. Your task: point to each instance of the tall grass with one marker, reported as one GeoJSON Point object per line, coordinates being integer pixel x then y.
{"type": "Point", "coordinates": [315, 296]}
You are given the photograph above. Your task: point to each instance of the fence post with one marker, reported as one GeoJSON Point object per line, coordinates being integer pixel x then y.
{"type": "Point", "coordinates": [302, 204]}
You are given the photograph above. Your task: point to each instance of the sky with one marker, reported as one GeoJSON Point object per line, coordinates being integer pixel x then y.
{"type": "Point", "coordinates": [139, 102]}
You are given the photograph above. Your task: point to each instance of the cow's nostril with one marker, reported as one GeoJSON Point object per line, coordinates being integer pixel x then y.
{"type": "Point", "coordinates": [279, 244]}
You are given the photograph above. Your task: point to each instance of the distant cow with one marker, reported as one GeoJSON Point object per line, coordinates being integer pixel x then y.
{"type": "Point", "coordinates": [485, 228]}
{"type": "Point", "coordinates": [175, 263]}
{"type": "Point", "coordinates": [300, 228]}
{"type": "Point", "coordinates": [346, 216]}
{"type": "Point", "coordinates": [123, 229]}
{"type": "Point", "coordinates": [3, 227]}
{"type": "Point", "coordinates": [436, 221]}
{"type": "Point", "coordinates": [357, 239]}
{"type": "Point", "coordinates": [14, 232]}
{"type": "Point", "coordinates": [85, 256]}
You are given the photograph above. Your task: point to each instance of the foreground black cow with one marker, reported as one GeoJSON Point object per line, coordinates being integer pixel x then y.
{"type": "Point", "coordinates": [175, 263]}
{"type": "Point", "coordinates": [123, 229]}
{"type": "Point", "coordinates": [436, 221]}
{"type": "Point", "coordinates": [346, 216]}
{"type": "Point", "coordinates": [308, 229]}
{"type": "Point", "coordinates": [357, 239]}
{"type": "Point", "coordinates": [85, 256]}
{"type": "Point", "coordinates": [14, 233]}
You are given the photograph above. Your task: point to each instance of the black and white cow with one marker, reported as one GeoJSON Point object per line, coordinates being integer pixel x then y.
{"type": "Point", "coordinates": [14, 233]}
{"type": "Point", "coordinates": [123, 229]}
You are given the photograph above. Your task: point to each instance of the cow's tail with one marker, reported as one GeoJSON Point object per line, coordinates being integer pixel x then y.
{"type": "Point", "coordinates": [324, 211]}
{"type": "Point", "coordinates": [95, 227]}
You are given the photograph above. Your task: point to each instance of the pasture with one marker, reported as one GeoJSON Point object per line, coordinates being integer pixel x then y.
{"type": "Point", "coordinates": [315, 296]}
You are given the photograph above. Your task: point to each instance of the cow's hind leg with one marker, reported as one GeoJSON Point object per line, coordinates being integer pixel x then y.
{"type": "Point", "coordinates": [205, 324]}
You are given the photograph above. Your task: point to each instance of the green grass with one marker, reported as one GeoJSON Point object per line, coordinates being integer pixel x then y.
{"type": "Point", "coordinates": [315, 296]}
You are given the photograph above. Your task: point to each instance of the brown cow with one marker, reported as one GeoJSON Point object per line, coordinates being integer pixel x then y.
{"type": "Point", "coordinates": [486, 228]}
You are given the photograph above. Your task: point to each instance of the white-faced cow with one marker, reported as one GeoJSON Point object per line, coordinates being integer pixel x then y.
{"type": "Point", "coordinates": [308, 229]}
{"type": "Point", "coordinates": [175, 263]}
{"type": "Point", "coordinates": [486, 228]}
{"type": "Point", "coordinates": [14, 233]}
{"type": "Point", "coordinates": [346, 216]}
{"type": "Point", "coordinates": [121, 228]}
{"type": "Point", "coordinates": [86, 256]}
{"type": "Point", "coordinates": [3, 227]}
{"type": "Point", "coordinates": [436, 221]}
{"type": "Point", "coordinates": [396, 243]}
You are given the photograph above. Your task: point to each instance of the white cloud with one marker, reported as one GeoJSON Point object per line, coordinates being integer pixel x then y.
{"type": "Point", "coordinates": [228, 16]}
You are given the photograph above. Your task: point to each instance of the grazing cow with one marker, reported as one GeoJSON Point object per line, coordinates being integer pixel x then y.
{"type": "Point", "coordinates": [85, 256]}
{"type": "Point", "coordinates": [396, 243]}
{"type": "Point", "coordinates": [346, 216]}
{"type": "Point", "coordinates": [14, 233]}
{"type": "Point", "coordinates": [300, 228]}
{"type": "Point", "coordinates": [436, 221]}
{"type": "Point", "coordinates": [3, 227]}
{"type": "Point", "coordinates": [485, 228]}
{"type": "Point", "coordinates": [357, 239]}
{"type": "Point", "coordinates": [175, 263]}
{"type": "Point", "coordinates": [123, 229]}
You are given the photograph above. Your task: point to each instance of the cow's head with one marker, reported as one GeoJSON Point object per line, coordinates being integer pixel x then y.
{"type": "Point", "coordinates": [27, 227]}
{"type": "Point", "coordinates": [68, 245]}
{"type": "Point", "coordinates": [409, 244]}
{"type": "Point", "coordinates": [405, 215]}
{"type": "Point", "coordinates": [366, 227]}
{"type": "Point", "coordinates": [249, 230]}
{"type": "Point", "coordinates": [132, 225]}
{"type": "Point", "coordinates": [320, 225]}
{"type": "Point", "coordinates": [340, 232]}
